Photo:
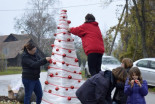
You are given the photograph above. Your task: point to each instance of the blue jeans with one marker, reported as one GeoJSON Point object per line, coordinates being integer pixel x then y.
{"type": "Point", "coordinates": [30, 86]}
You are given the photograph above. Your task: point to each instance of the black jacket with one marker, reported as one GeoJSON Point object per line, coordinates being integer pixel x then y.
{"type": "Point", "coordinates": [97, 89]}
{"type": "Point", "coordinates": [119, 96]}
{"type": "Point", "coordinates": [31, 65]}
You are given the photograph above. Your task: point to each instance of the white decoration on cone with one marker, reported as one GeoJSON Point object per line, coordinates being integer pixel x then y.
{"type": "Point", "coordinates": [64, 76]}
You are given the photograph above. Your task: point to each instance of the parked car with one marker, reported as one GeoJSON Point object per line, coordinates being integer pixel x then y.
{"type": "Point", "coordinates": [147, 68]}
{"type": "Point", "coordinates": [108, 63]}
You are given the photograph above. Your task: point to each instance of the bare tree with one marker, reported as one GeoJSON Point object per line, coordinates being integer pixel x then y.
{"type": "Point", "coordinates": [117, 29]}
{"type": "Point", "coordinates": [39, 22]}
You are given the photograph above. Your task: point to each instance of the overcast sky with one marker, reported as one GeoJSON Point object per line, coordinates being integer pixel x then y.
{"type": "Point", "coordinates": [105, 15]}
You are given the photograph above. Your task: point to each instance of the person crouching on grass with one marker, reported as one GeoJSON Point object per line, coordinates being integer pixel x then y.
{"type": "Point", "coordinates": [97, 89]}
{"type": "Point", "coordinates": [135, 87]}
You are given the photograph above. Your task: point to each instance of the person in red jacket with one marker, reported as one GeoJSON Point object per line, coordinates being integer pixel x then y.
{"type": "Point", "coordinates": [92, 42]}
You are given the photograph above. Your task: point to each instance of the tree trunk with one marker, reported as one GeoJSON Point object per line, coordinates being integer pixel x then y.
{"type": "Point", "coordinates": [143, 30]}
{"type": "Point", "coordinates": [126, 20]}
{"type": "Point", "coordinates": [141, 22]}
{"type": "Point", "coordinates": [136, 32]}
{"type": "Point", "coordinates": [117, 28]}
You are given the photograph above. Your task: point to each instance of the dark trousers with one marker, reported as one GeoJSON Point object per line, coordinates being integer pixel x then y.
{"type": "Point", "coordinates": [30, 86]}
{"type": "Point", "coordinates": [94, 63]}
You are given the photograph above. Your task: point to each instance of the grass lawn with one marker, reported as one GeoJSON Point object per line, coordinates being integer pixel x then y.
{"type": "Point", "coordinates": [13, 70]}
{"type": "Point", "coordinates": [151, 89]}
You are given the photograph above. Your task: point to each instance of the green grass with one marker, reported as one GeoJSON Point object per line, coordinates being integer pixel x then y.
{"type": "Point", "coordinates": [83, 75]}
{"type": "Point", "coordinates": [14, 70]}
{"type": "Point", "coordinates": [11, 70]}
{"type": "Point", "coordinates": [152, 89]}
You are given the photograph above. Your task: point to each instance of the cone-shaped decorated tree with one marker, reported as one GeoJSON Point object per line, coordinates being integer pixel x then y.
{"type": "Point", "coordinates": [64, 76]}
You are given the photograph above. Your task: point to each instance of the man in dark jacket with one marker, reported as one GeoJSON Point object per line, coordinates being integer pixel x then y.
{"type": "Point", "coordinates": [31, 63]}
{"type": "Point", "coordinates": [92, 42]}
{"type": "Point", "coordinates": [97, 89]}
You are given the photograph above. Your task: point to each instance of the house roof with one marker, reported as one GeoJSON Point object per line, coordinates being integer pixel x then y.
{"type": "Point", "coordinates": [2, 38]}
{"type": "Point", "coordinates": [12, 49]}
{"type": "Point", "coordinates": [21, 37]}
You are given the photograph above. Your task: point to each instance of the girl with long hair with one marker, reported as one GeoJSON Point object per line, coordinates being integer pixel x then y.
{"type": "Point", "coordinates": [135, 87]}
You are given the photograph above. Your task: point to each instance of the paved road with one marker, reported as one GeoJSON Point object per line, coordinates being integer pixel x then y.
{"type": "Point", "coordinates": [6, 79]}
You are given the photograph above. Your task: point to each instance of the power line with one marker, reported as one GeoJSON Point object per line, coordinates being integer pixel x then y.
{"type": "Point", "coordinates": [9, 10]}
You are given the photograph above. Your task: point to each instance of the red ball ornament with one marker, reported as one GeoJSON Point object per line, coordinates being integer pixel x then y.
{"type": "Point", "coordinates": [58, 27]}
{"type": "Point", "coordinates": [57, 88]}
{"type": "Point", "coordinates": [46, 82]}
{"type": "Point", "coordinates": [50, 61]}
{"type": "Point", "coordinates": [63, 62]}
{"type": "Point", "coordinates": [69, 98]}
{"type": "Point", "coordinates": [59, 40]}
{"type": "Point", "coordinates": [76, 60]}
{"type": "Point", "coordinates": [67, 64]}
{"type": "Point", "coordinates": [66, 89]}
{"type": "Point", "coordinates": [68, 21]}
{"type": "Point", "coordinates": [55, 34]}
{"type": "Point", "coordinates": [74, 71]}
{"type": "Point", "coordinates": [52, 53]}
{"type": "Point", "coordinates": [54, 62]}
{"type": "Point", "coordinates": [79, 72]}
{"type": "Point", "coordinates": [48, 67]}
{"type": "Point", "coordinates": [64, 55]}
{"type": "Point", "coordinates": [79, 81]}
{"type": "Point", "coordinates": [64, 32]}
{"type": "Point", "coordinates": [57, 49]}
{"type": "Point", "coordinates": [68, 39]}
{"type": "Point", "coordinates": [64, 10]}
{"type": "Point", "coordinates": [72, 87]}
{"type": "Point", "coordinates": [69, 77]}
{"type": "Point", "coordinates": [63, 17]}
{"type": "Point", "coordinates": [52, 45]}
{"type": "Point", "coordinates": [56, 73]}
{"type": "Point", "coordinates": [69, 51]}
{"type": "Point", "coordinates": [72, 39]}
{"type": "Point", "coordinates": [49, 91]}
{"type": "Point", "coordinates": [51, 75]}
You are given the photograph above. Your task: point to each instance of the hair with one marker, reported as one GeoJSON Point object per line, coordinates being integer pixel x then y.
{"type": "Point", "coordinates": [28, 46]}
{"type": "Point", "coordinates": [128, 63]}
{"type": "Point", "coordinates": [90, 18]}
{"type": "Point", "coordinates": [120, 74]}
{"type": "Point", "coordinates": [137, 72]}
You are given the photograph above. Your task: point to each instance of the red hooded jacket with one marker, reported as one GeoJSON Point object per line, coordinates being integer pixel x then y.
{"type": "Point", "coordinates": [90, 34]}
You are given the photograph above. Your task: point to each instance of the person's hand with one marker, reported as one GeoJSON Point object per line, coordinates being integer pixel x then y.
{"type": "Point", "coordinates": [48, 58]}
{"type": "Point", "coordinates": [132, 83]}
{"type": "Point", "coordinates": [68, 29]}
{"type": "Point", "coordinates": [138, 82]}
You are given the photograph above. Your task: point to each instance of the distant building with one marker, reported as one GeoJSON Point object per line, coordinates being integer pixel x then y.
{"type": "Point", "coordinates": [11, 47]}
